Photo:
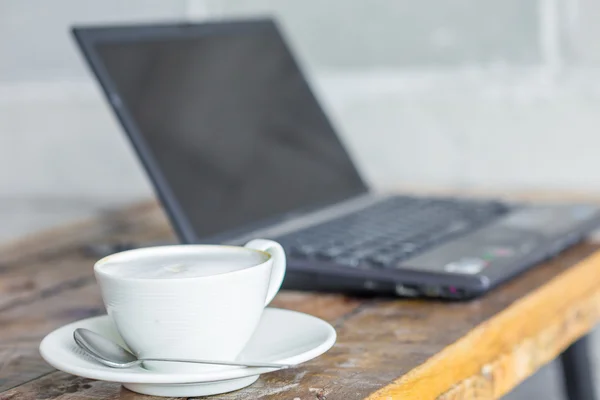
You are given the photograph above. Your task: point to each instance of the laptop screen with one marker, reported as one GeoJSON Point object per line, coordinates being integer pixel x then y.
{"type": "Point", "coordinates": [228, 120]}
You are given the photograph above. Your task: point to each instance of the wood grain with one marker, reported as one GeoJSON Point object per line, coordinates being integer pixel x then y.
{"type": "Point", "coordinates": [59, 385]}
{"type": "Point", "coordinates": [330, 307]}
{"type": "Point", "coordinates": [46, 291]}
{"type": "Point", "coordinates": [386, 348]}
{"type": "Point", "coordinates": [500, 353]}
{"type": "Point", "coordinates": [113, 225]}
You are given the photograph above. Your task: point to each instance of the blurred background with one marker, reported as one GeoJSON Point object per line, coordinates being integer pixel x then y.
{"type": "Point", "coordinates": [496, 96]}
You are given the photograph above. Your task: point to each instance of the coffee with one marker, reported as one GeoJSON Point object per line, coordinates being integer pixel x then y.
{"type": "Point", "coordinates": [182, 265]}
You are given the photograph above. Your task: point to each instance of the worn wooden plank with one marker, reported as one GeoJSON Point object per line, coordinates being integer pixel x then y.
{"type": "Point", "coordinates": [495, 356]}
{"type": "Point", "coordinates": [330, 307]}
{"type": "Point", "coordinates": [27, 321]}
{"type": "Point", "coordinates": [384, 340]}
{"type": "Point", "coordinates": [108, 225]}
{"type": "Point", "coordinates": [24, 326]}
{"type": "Point", "coordinates": [59, 385]}
{"type": "Point", "coordinates": [26, 286]}
{"type": "Point", "coordinates": [20, 362]}
{"type": "Point", "coordinates": [54, 277]}
{"type": "Point", "coordinates": [40, 265]}
{"type": "Point", "coordinates": [385, 347]}
{"type": "Point", "coordinates": [42, 289]}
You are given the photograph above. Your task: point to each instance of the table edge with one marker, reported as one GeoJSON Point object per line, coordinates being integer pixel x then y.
{"type": "Point", "coordinates": [547, 324]}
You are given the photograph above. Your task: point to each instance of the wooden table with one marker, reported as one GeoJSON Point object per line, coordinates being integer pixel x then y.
{"type": "Point", "coordinates": [386, 348]}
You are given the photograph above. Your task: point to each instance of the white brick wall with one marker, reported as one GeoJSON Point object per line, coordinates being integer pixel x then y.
{"type": "Point", "coordinates": [35, 42]}
{"type": "Point", "coordinates": [456, 93]}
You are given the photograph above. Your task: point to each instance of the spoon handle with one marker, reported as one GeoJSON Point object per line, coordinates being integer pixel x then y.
{"type": "Point", "coordinates": [230, 363]}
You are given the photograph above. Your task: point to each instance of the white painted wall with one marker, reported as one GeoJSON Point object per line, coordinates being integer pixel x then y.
{"type": "Point", "coordinates": [473, 94]}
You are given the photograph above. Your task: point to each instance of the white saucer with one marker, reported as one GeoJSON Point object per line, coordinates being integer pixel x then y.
{"type": "Point", "coordinates": [282, 336]}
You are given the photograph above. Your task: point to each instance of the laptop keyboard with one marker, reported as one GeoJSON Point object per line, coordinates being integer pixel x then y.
{"type": "Point", "coordinates": [390, 231]}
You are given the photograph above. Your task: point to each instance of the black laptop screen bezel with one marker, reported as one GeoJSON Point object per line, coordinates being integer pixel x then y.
{"type": "Point", "coordinates": [88, 37]}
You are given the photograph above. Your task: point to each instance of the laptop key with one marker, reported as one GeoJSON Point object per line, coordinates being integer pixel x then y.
{"type": "Point", "coordinates": [330, 253]}
{"type": "Point", "coordinates": [407, 247]}
{"type": "Point", "coordinates": [348, 261]}
{"type": "Point", "coordinates": [304, 250]}
{"type": "Point", "coordinates": [382, 260]}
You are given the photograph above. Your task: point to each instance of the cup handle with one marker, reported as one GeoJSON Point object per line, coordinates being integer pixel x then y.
{"type": "Point", "coordinates": [277, 270]}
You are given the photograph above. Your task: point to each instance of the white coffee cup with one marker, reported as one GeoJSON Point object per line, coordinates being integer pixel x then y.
{"type": "Point", "coordinates": [202, 317]}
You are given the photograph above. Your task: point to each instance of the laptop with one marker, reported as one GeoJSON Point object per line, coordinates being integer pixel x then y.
{"type": "Point", "coordinates": [238, 147]}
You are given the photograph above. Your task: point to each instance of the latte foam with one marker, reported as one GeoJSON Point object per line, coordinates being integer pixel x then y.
{"type": "Point", "coordinates": [181, 266]}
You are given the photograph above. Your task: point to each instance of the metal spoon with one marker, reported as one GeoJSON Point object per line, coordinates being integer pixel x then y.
{"type": "Point", "coordinates": [112, 355]}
